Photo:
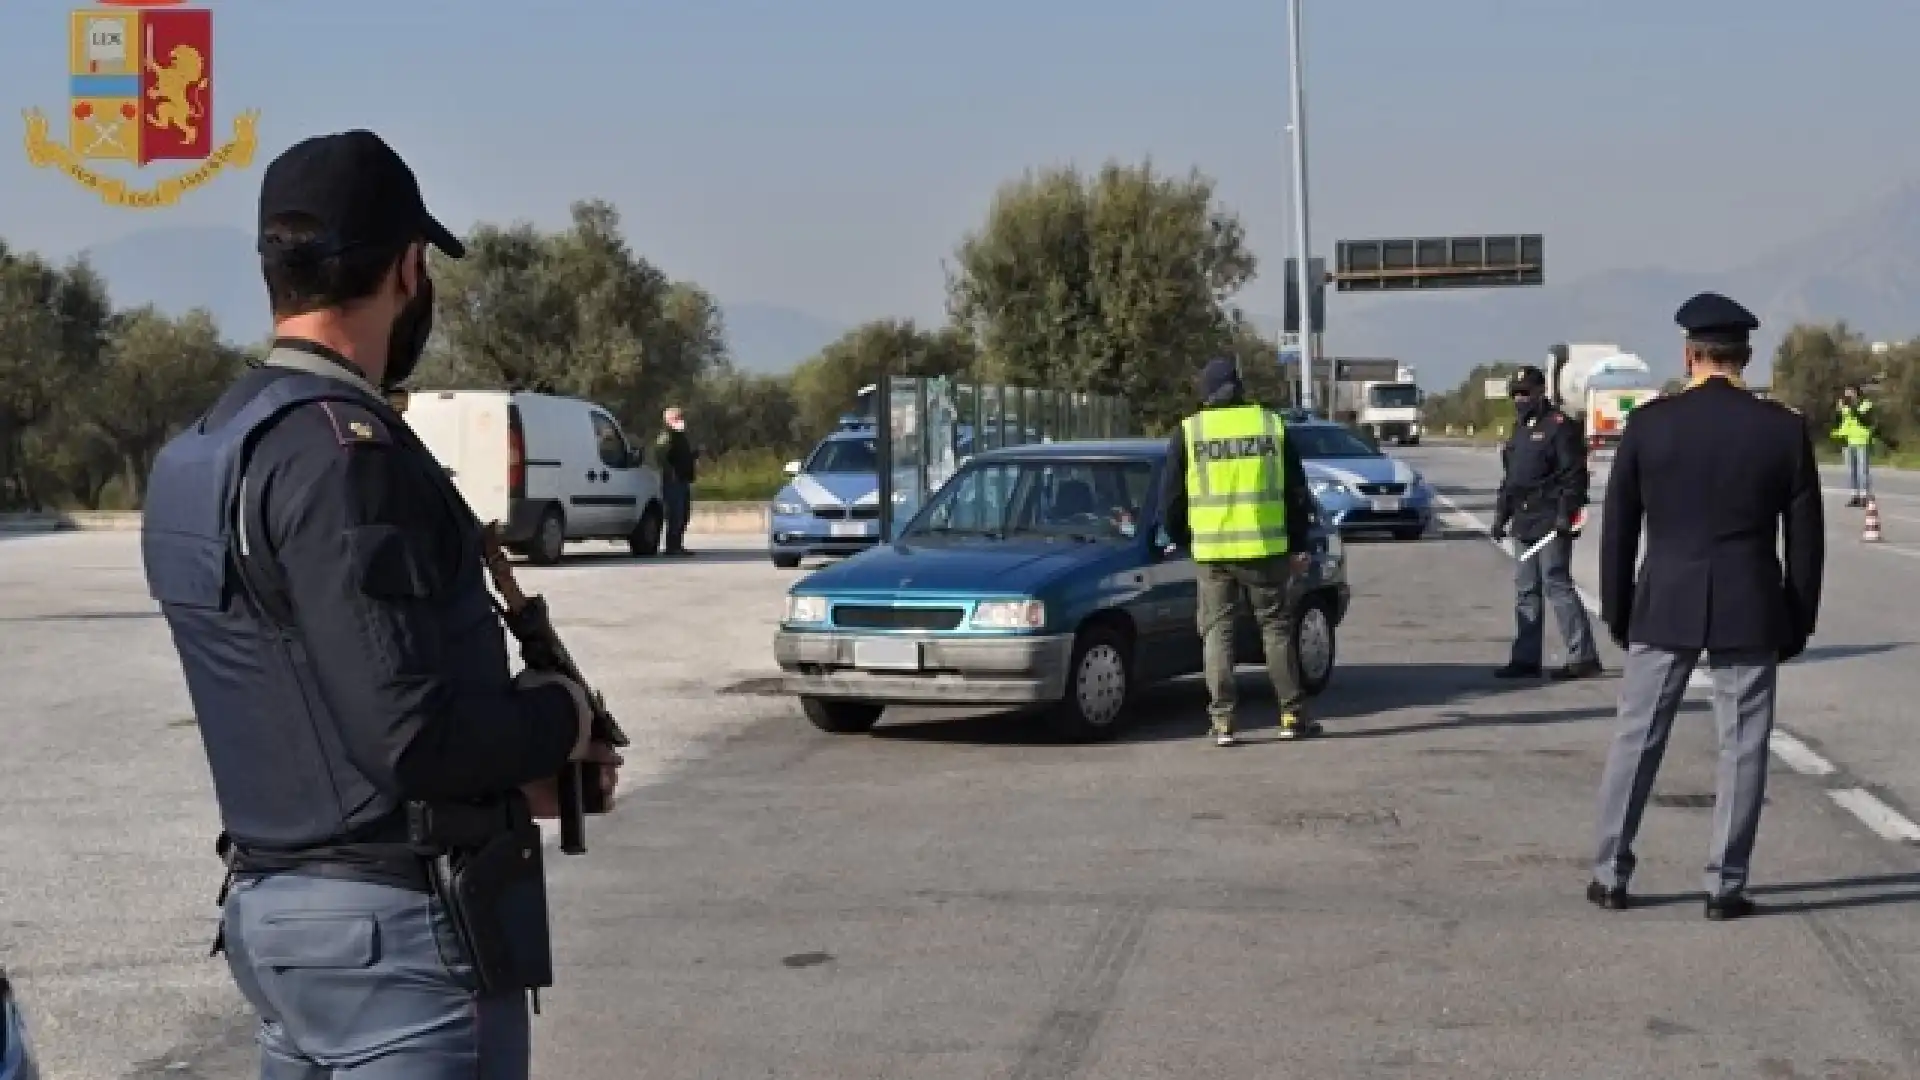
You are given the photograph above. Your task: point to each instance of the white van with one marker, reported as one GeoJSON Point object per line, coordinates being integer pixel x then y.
{"type": "Point", "coordinates": [549, 469]}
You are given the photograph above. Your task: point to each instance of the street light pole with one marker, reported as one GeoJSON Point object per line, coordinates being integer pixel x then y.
{"type": "Point", "coordinates": [1306, 287]}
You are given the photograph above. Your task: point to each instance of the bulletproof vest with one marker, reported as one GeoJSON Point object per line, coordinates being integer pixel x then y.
{"type": "Point", "coordinates": [280, 771]}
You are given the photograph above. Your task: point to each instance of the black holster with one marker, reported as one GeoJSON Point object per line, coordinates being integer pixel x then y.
{"type": "Point", "coordinates": [487, 869]}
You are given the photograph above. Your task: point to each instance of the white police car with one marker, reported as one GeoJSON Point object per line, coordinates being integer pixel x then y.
{"type": "Point", "coordinates": [831, 502]}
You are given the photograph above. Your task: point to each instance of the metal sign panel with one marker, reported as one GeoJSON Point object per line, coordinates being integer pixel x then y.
{"type": "Point", "coordinates": [1495, 389]}
{"type": "Point", "coordinates": [1506, 260]}
{"type": "Point", "coordinates": [1350, 368]}
{"type": "Point", "coordinates": [1317, 277]}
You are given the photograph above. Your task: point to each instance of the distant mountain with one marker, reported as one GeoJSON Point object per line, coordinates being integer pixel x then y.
{"type": "Point", "coordinates": [770, 339]}
{"type": "Point", "coordinates": [215, 267]}
{"type": "Point", "coordinates": [1864, 269]}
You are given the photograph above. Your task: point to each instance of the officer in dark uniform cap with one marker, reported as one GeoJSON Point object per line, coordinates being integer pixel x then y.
{"type": "Point", "coordinates": [377, 766]}
{"type": "Point", "coordinates": [1542, 487]}
{"type": "Point", "coordinates": [1715, 474]}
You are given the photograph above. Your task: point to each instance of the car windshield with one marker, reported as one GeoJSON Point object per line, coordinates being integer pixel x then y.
{"type": "Point", "coordinates": [844, 456]}
{"type": "Point", "coordinates": [1070, 500]}
{"type": "Point", "coordinates": [1397, 396]}
{"type": "Point", "coordinates": [1316, 443]}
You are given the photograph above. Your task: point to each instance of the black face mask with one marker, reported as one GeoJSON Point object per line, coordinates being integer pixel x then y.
{"type": "Point", "coordinates": [1528, 405]}
{"type": "Point", "coordinates": [408, 342]}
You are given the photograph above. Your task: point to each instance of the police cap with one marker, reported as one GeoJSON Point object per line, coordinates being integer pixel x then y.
{"type": "Point", "coordinates": [1528, 380]}
{"type": "Point", "coordinates": [358, 189]}
{"type": "Point", "coordinates": [1712, 319]}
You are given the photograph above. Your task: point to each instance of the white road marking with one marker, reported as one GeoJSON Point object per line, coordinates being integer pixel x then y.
{"type": "Point", "coordinates": [1886, 822]}
{"type": "Point", "coordinates": [1798, 756]}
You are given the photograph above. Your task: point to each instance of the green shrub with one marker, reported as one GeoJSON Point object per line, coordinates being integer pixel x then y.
{"type": "Point", "coordinates": [740, 477]}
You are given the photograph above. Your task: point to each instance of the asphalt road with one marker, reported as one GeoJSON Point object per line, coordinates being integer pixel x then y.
{"type": "Point", "coordinates": [954, 897]}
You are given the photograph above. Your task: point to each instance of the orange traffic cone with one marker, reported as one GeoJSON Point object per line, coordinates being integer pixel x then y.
{"type": "Point", "coordinates": [1871, 534]}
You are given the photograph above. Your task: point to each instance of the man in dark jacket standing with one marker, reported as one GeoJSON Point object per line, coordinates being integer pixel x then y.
{"type": "Point", "coordinates": [1716, 474]}
{"type": "Point", "coordinates": [675, 459]}
{"type": "Point", "coordinates": [1543, 486]}
{"type": "Point", "coordinates": [1235, 493]}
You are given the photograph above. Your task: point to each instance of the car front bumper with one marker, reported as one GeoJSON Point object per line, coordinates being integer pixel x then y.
{"type": "Point", "coordinates": [809, 535]}
{"type": "Point", "coordinates": [1022, 670]}
{"type": "Point", "coordinates": [1356, 513]}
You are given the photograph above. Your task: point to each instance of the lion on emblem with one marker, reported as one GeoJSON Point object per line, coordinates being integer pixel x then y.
{"type": "Point", "coordinates": [185, 71]}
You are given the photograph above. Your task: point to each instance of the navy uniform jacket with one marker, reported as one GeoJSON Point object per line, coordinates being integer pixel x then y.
{"type": "Point", "coordinates": [1543, 481]}
{"type": "Point", "coordinates": [1301, 509]}
{"type": "Point", "coordinates": [380, 578]}
{"type": "Point", "coordinates": [1716, 475]}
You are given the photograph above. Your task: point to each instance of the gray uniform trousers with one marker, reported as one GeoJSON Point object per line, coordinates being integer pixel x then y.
{"type": "Point", "coordinates": [1651, 689]}
{"type": "Point", "coordinates": [360, 981]}
{"type": "Point", "coordinates": [1549, 572]}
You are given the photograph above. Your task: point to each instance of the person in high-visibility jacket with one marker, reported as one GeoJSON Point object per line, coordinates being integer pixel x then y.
{"type": "Point", "coordinates": [1856, 427]}
{"type": "Point", "coordinates": [1235, 494]}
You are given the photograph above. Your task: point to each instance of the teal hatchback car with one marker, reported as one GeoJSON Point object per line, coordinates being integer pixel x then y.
{"type": "Point", "coordinates": [1036, 577]}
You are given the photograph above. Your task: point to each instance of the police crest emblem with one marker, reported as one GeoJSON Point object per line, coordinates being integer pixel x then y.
{"type": "Point", "coordinates": [140, 91]}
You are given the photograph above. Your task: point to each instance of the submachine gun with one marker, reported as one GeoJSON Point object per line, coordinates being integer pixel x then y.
{"type": "Point", "coordinates": [527, 619]}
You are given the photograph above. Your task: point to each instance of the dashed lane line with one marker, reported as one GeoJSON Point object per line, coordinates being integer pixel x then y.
{"type": "Point", "coordinates": [1873, 812]}
{"type": "Point", "coordinates": [1886, 822]}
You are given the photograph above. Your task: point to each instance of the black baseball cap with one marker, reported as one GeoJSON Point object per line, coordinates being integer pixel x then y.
{"type": "Point", "coordinates": [361, 192]}
{"type": "Point", "coordinates": [1527, 380]}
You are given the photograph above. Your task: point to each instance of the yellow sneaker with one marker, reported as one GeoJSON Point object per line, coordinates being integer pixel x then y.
{"type": "Point", "coordinates": [1295, 726]}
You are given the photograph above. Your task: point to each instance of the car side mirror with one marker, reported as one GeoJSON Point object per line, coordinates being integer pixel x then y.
{"type": "Point", "coordinates": [1163, 548]}
{"type": "Point", "coordinates": [792, 468]}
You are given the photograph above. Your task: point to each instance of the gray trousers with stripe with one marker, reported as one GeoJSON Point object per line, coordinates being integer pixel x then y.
{"type": "Point", "coordinates": [1651, 689]}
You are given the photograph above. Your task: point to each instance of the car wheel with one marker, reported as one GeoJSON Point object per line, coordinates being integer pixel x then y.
{"type": "Point", "coordinates": [1315, 645]}
{"type": "Point", "coordinates": [1099, 687]}
{"type": "Point", "coordinates": [841, 717]}
{"type": "Point", "coordinates": [1411, 533]}
{"type": "Point", "coordinates": [644, 541]}
{"type": "Point", "coordinates": [549, 538]}
{"type": "Point", "coordinates": [786, 562]}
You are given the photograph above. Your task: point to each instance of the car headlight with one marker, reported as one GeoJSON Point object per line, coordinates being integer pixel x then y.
{"type": "Point", "coordinates": [1330, 487]}
{"type": "Point", "coordinates": [805, 609]}
{"type": "Point", "coordinates": [789, 509]}
{"type": "Point", "coordinates": [1010, 615]}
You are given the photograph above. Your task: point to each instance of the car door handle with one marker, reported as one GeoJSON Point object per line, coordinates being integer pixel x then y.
{"type": "Point", "coordinates": [590, 477]}
{"type": "Point", "coordinates": [603, 476]}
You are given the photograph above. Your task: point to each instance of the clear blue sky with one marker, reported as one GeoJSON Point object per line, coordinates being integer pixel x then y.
{"type": "Point", "coordinates": [827, 154]}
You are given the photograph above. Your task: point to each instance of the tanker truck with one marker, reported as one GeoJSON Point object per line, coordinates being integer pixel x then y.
{"type": "Point", "coordinates": [1598, 386]}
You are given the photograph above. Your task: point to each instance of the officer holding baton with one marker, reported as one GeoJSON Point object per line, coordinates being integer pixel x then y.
{"type": "Point", "coordinates": [1543, 487]}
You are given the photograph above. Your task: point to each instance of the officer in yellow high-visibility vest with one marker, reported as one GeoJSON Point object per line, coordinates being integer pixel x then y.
{"type": "Point", "coordinates": [1236, 495]}
{"type": "Point", "coordinates": [1856, 427]}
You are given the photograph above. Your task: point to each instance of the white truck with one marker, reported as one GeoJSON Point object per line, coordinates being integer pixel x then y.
{"type": "Point", "coordinates": [1390, 409]}
{"type": "Point", "coordinates": [1598, 385]}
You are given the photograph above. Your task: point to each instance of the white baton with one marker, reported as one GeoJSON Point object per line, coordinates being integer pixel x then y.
{"type": "Point", "coordinates": [1538, 544]}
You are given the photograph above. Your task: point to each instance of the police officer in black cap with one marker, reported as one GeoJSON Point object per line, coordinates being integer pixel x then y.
{"type": "Point", "coordinates": [378, 768]}
{"type": "Point", "coordinates": [1716, 476]}
{"type": "Point", "coordinates": [1542, 488]}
